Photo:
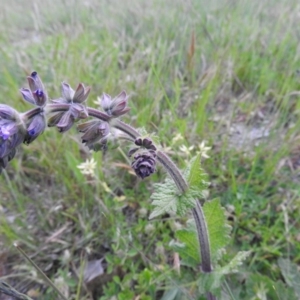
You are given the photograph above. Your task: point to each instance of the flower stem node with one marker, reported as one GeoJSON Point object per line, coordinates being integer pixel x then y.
{"type": "Point", "coordinates": [144, 163]}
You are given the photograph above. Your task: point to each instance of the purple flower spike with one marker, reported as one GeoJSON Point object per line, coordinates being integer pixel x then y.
{"type": "Point", "coordinates": [144, 164]}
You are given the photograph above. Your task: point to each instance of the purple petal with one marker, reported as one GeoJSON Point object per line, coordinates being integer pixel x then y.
{"type": "Point", "coordinates": [36, 127]}
{"type": "Point", "coordinates": [83, 127]}
{"type": "Point", "coordinates": [53, 121]}
{"type": "Point", "coordinates": [28, 96]}
{"type": "Point", "coordinates": [120, 113]}
{"type": "Point", "coordinates": [40, 97]}
{"type": "Point", "coordinates": [66, 121]}
{"type": "Point", "coordinates": [105, 101]}
{"type": "Point", "coordinates": [67, 92]}
{"type": "Point", "coordinates": [81, 93]}
{"type": "Point", "coordinates": [35, 83]}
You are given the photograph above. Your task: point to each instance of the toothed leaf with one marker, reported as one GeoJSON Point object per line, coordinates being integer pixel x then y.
{"type": "Point", "coordinates": [167, 198]}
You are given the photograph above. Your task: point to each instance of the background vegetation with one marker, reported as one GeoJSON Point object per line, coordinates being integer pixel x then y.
{"type": "Point", "coordinates": [221, 71]}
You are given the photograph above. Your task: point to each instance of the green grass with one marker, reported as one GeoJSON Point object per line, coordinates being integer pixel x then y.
{"type": "Point", "coordinates": [243, 81]}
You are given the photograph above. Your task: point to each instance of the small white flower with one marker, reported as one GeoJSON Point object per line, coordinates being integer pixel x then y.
{"type": "Point", "coordinates": [203, 149]}
{"type": "Point", "coordinates": [88, 167]}
{"type": "Point", "coordinates": [176, 138]}
{"type": "Point", "coordinates": [185, 149]}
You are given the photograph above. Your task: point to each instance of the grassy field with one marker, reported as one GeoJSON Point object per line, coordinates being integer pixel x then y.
{"type": "Point", "coordinates": [224, 72]}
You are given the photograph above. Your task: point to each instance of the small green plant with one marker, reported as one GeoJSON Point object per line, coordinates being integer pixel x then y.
{"type": "Point", "coordinates": [201, 243]}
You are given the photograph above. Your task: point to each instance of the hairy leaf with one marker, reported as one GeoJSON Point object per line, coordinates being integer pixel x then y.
{"type": "Point", "coordinates": [188, 246]}
{"type": "Point", "coordinates": [218, 229]}
{"type": "Point", "coordinates": [211, 282]}
{"type": "Point", "coordinates": [167, 198]}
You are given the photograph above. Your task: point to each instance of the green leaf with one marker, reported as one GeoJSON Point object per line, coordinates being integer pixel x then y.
{"type": "Point", "coordinates": [290, 273]}
{"type": "Point", "coordinates": [171, 294]}
{"type": "Point", "coordinates": [195, 175]}
{"type": "Point", "coordinates": [167, 198]}
{"type": "Point", "coordinates": [218, 229]}
{"type": "Point", "coordinates": [188, 248]}
{"type": "Point", "coordinates": [232, 266]}
{"type": "Point", "coordinates": [211, 282]}
{"type": "Point", "coordinates": [262, 287]}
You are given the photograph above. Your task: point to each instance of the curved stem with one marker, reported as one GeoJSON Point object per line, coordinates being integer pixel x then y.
{"type": "Point", "coordinates": [98, 114]}
{"type": "Point", "coordinates": [198, 215]}
{"type": "Point", "coordinates": [173, 171]}
{"type": "Point", "coordinates": [125, 128]}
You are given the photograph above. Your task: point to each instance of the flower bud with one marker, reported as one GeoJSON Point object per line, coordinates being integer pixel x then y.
{"type": "Point", "coordinates": [94, 131]}
{"type": "Point", "coordinates": [116, 107]}
{"type": "Point", "coordinates": [36, 94]}
{"type": "Point", "coordinates": [144, 164]}
{"type": "Point", "coordinates": [77, 109]}
{"type": "Point", "coordinates": [36, 127]}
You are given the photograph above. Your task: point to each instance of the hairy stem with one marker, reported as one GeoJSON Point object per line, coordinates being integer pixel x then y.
{"type": "Point", "coordinates": [203, 237]}
{"type": "Point", "coordinates": [198, 214]}
{"type": "Point", "coordinates": [125, 128]}
{"type": "Point", "coordinates": [98, 114]}
{"type": "Point", "coordinates": [172, 169]}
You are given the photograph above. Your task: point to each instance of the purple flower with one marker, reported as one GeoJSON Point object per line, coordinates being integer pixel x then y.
{"type": "Point", "coordinates": [77, 109]}
{"type": "Point", "coordinates": [12, 133]}
{"type": "Point", "coordinates": [94, 131]}
{"type": "Point", "coordinates": [144, 163]}
{"type": "Point", "coordinates": [116, 107]}
{"type": "Point", "coordinates": [35, 128]}
{"type": "Point", "coordinates": [36, 93]}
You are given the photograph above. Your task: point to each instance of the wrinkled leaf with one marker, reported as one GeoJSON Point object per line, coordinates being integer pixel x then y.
{"type": "Point", "coordinates": [218, 230]}
{"type": "Point", "coordinates": [167, 198]}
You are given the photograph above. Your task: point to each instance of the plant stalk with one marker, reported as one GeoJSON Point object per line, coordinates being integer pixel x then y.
{"type": "Point", "coordinates": [198, 215]}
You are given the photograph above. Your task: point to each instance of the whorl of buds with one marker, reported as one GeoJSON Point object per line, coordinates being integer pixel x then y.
{"type": "Point", "coordinates": [77, 108]}
{"type": "Point", "coordinates": [94, 131]}
{"type": "Point", "coordinates": [144, 163]}
{"type": "Point", "coordinates": [116, 107]}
